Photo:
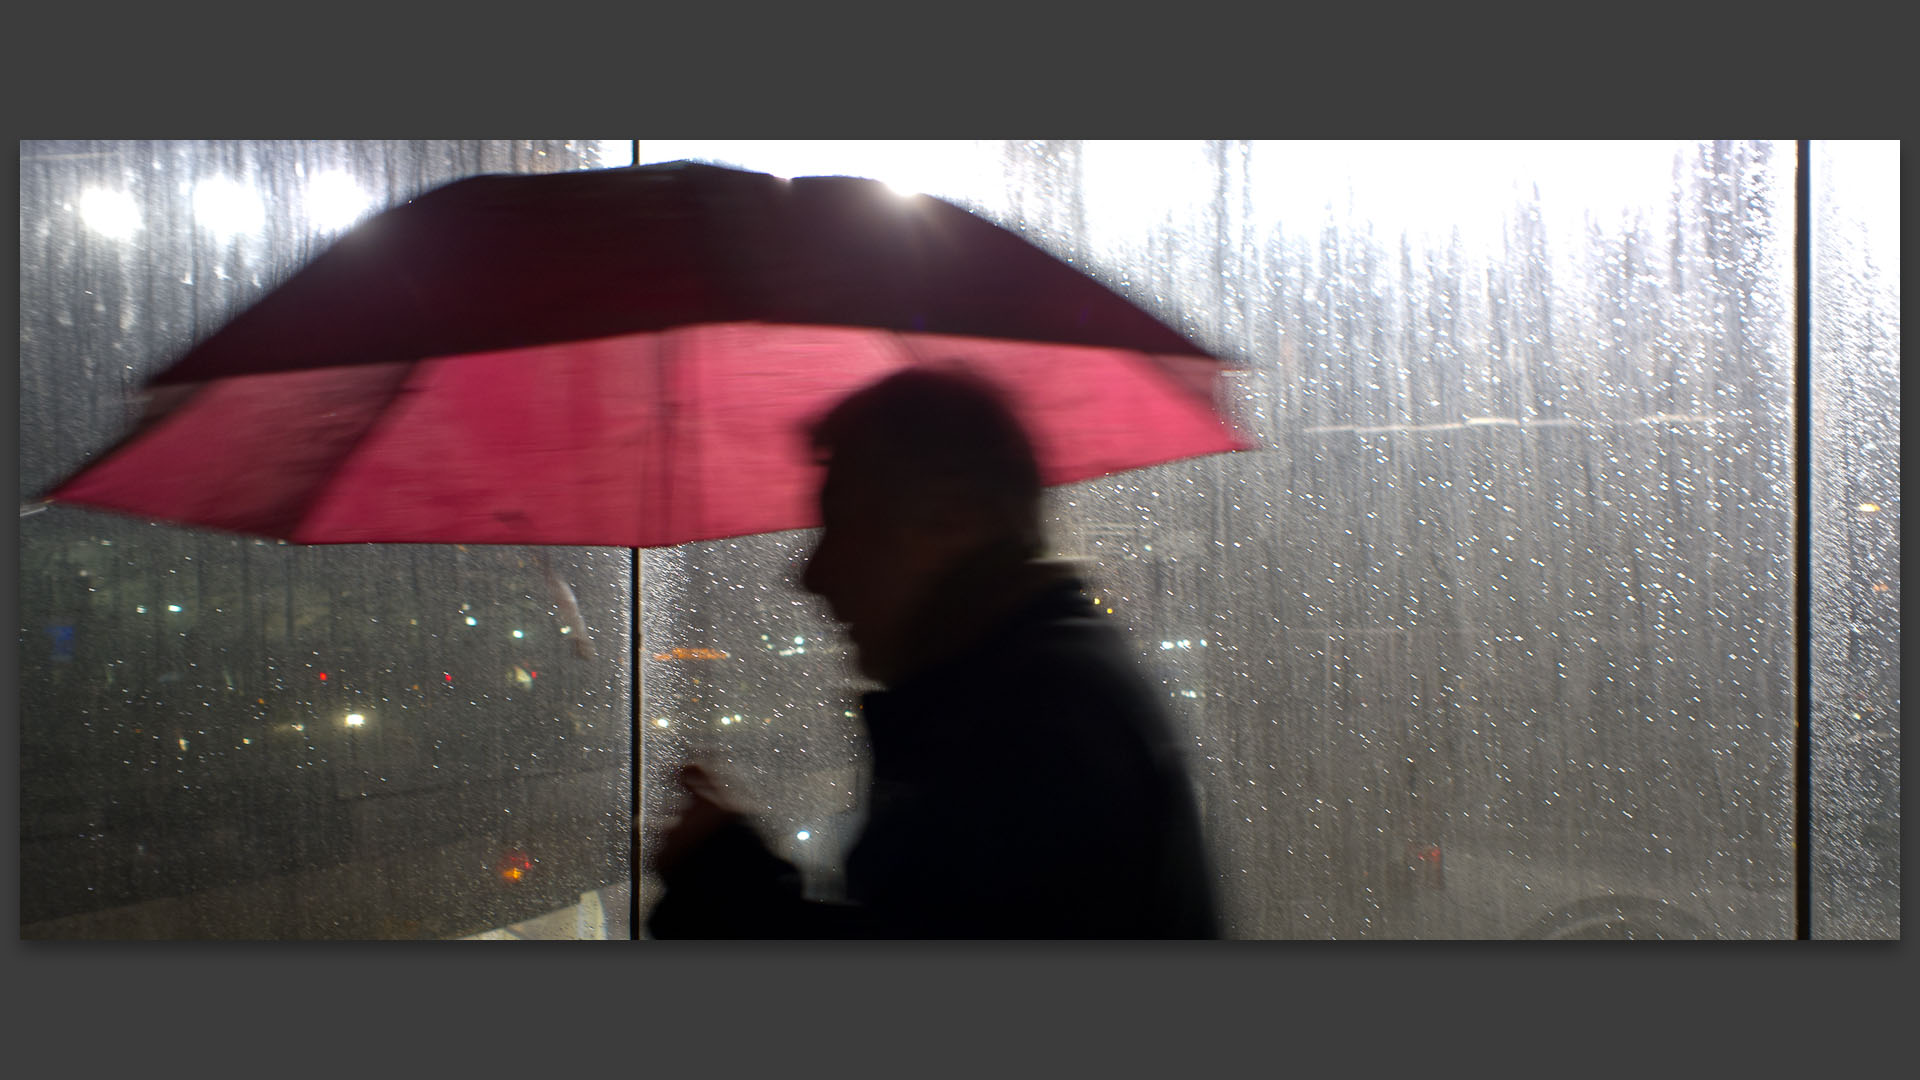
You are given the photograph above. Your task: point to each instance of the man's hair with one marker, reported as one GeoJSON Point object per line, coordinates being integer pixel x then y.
{"type": "Point", "coordinates": [929, 437]}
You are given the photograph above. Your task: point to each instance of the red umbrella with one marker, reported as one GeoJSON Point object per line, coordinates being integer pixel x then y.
{"type": "Point", "coordinates": [628, 357]}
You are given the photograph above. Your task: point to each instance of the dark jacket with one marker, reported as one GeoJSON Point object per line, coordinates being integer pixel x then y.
{"type": "Point", "coordinates": [1026, 785]}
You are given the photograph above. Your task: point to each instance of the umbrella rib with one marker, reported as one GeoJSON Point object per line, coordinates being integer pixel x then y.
{"type": "Point", "coordinates": [382, 417]}
{"type": "Point", "coordinates": [914, 359]}
{"type": "Point", "coordinates": [659, 460]}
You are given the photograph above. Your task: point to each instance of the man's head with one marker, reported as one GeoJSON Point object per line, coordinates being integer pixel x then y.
{"type": "Point", "coordinates": [925, 470]}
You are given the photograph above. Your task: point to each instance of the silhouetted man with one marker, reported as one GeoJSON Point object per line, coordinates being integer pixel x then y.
{"type": "Point", "coordinates": [1025, 783]}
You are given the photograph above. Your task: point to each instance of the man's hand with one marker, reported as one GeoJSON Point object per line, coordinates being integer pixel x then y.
{"type": "Point", "coordinates": [706, 807]}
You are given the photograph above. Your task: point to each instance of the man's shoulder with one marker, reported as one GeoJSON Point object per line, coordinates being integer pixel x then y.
{"type": "Point", "coordinates": [1072, 644]}
{"type": "Point", "coordinates": [1079, 670]}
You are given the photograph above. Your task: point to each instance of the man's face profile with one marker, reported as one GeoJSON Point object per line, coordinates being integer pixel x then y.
{"type": "Point", "coordinates": [877, 557]}
{"type": "Point", "coordinates": [925, 470]}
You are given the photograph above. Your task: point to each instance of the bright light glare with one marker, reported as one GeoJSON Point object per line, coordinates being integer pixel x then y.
{"type": "Point", "coordinates": [1134, 184]}
{"type": "Point", "coordinates": [906, 166]}
{"type": "Point", "coordinates": [334, 201]}
{"type": "Point", "coordinates": [471, 621]}
{"type": "Point", "coordinates": [614, 153]}
{"type": "Point", "coordinates": [173, 607]}
{"type": "Point", "coordinates": [518, 634]}
{"type": "Point", "coordinates": [803, 835]}
{"type": "Point", "coordinates": [1869, 508]}
{"type": "Point", "coordinates": [227, 208]}
{"type": "Point", "coordinates": [1431, 188]}
{"type": "Point", "coordinates": [1472, 186]}
{"type": "Point", "coordinates": [355, 719]}
{"type": "Point", "coordinates": [110, 213]}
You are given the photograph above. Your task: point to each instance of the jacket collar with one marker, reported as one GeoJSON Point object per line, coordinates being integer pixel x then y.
{"type": "Point", "coordinates": [968, 619]}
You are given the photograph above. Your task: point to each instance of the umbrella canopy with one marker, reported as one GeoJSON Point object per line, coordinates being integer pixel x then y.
{"type": "Point", "coordinates": [629, 357]}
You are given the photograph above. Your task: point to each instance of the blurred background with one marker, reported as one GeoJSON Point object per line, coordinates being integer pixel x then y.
{"type": "Point", "coordinates": [1494, 637]}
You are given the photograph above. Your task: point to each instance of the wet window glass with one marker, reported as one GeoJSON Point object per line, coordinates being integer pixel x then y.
{"type": "Point", "coordinates": [1493, 637]}
{"type": "Point", "coordinates": [1855, 529]}
{"type": "Point", "coordinates": [224, 737]}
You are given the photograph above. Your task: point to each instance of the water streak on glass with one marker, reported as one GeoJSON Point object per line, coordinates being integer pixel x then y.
{"type": "Point", "coordinates": [1856, 540]}
{"type": "Point", "coordinates": [1492, 638]}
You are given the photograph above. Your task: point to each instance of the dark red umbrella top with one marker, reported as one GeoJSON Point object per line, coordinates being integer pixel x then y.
{"type": "Point", "coordinates": [628, 357]}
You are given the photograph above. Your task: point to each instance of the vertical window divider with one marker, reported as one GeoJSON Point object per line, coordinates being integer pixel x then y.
{"type": "Point", "coordinates": [1803, 546]}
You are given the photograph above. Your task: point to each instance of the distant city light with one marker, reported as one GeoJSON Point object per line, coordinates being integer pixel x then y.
{"type": "Point", "coordinates": [141, 608]}
{"type": "Point", "coordinates": [661, 722]}
{"type": "Point", "coordinates": [1869, 508]}
{"type": "Point", "coordinates": [299, 727]}
{"type": "Point", "coordinates": [515, 865]}
{"type": "Point", "coordinates": [246, 742]}
{"type": "Point", "coordinates": [183, 744]}
{"type": "Point", "coordinates": [471, 621]}
{"type": "Point", "coordinates": [355, 719]}
{"type": "Point", "coordinates": [518, 634]}
{"type": "Point", "coordinates": [799, 641]}
{"type": "Point", "coordinates": [173, 607]}
{"type": "Point", "coordinates": [683, 653]}
{"type": "Point", "coordinates": [803, 835]}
